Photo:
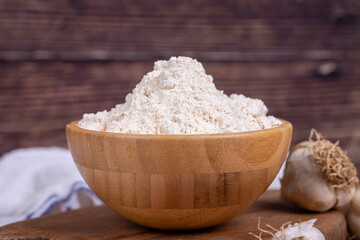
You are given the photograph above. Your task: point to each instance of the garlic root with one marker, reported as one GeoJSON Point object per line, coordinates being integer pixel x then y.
{"type": "Point", "coordinates": [303, 230]}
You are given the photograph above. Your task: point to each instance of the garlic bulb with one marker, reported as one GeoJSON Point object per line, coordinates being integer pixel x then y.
{"type": "Point", "coordinates": [319, 176]}
{"type": "Point", "coordinates": [353, 215]}
{"type": "Point", "coordinates": [303, 230]}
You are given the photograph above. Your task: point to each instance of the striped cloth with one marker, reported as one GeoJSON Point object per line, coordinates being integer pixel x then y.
{"type": "Point", "coordinates": [38, 181]}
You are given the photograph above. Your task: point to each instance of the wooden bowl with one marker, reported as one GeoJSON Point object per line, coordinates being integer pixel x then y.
{"type": "Point", "coordinates": [179, 181]}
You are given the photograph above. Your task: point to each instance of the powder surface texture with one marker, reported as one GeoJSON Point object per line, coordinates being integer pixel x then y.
{"type": "Point", "coordinates": [178, 97]}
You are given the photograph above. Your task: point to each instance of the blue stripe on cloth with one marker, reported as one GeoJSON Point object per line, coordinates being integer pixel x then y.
{"type": "Point", "coordinates": [53, 200]}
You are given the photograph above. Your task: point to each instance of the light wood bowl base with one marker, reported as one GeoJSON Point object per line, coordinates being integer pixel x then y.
{"type": "Point", "coordinates": [175, 182]}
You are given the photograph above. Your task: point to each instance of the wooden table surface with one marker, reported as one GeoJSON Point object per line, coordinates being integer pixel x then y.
{"type": "Point", "coordinates": [103, 223]}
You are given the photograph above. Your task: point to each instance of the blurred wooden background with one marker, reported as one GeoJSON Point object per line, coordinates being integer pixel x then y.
{"type": "Point", "coordinates": [59, 59]}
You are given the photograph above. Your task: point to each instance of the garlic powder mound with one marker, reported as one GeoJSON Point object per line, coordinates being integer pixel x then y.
{"type": "Point", "coordinates": [178, 97]}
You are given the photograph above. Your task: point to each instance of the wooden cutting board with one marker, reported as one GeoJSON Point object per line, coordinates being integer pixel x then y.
{"type": "Point", "coordinates": [103, 223]}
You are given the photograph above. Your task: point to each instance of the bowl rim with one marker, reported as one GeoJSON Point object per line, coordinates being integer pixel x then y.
{"type": "Point", "coordinates": [73, 126]}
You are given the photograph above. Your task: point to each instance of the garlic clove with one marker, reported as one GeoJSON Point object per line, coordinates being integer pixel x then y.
{"type": "Point", "coordinates": [304, 230]}
{"type": "Point", "coordinates": [353, 215]}
{"type": "Point", "coordinates": [353, 223]}
{"type": "Point", "coordinates": [320, 176]}
{"type": "Point", "coordinates": [303, 183]}
{"type": "Point", "coordinates": [302, 161]}
{"type": "Point", "coordinates": [344, 197]}
{"type": "Point", "coordinates": [308, 191]}
{"type": "Point", "coordinates": [355, 202]}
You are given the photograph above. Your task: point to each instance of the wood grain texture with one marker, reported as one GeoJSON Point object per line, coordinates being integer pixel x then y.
{"type": "Point", "coordinates": [37, 99]}
{"type": "Point", "coordinates": [60, 59]}
{"type": "Point", "coordinates": [179, 181]}
{"type": "Point", "coordinates": [128, 30]}
{"type": "Point", "coordinates": [101, 222]}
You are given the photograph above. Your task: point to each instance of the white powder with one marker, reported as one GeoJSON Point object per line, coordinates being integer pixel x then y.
{"type": "Point", "coordinates": [178, 97]}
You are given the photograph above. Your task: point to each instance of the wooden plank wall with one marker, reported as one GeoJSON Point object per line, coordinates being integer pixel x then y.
{"type": "Point", "coordinates": [59, 59]}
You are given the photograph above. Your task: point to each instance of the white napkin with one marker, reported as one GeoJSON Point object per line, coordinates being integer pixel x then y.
{"type": "Point", "coordinates": [38, 181]}
{"type": "Point", "coordinates": [275, 185]}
